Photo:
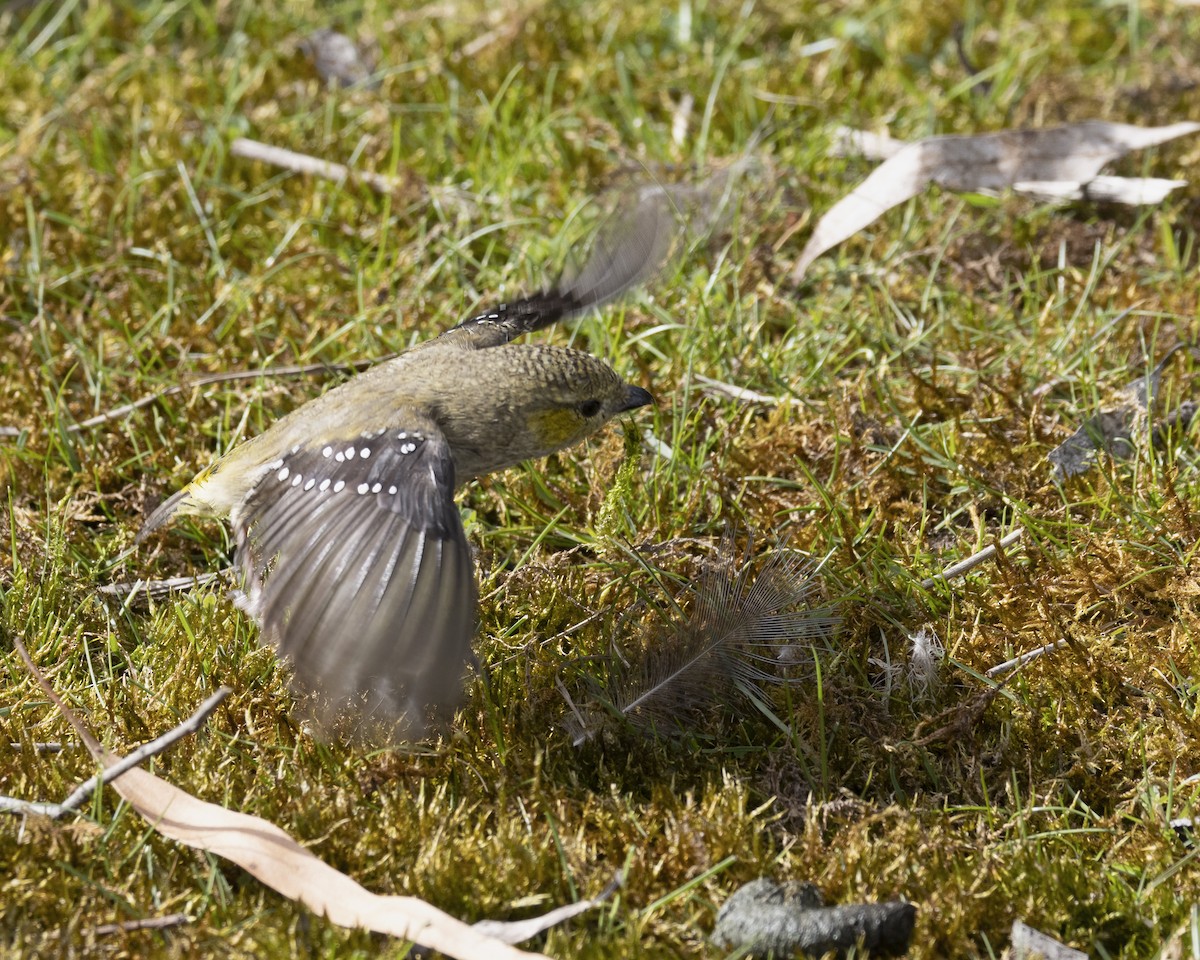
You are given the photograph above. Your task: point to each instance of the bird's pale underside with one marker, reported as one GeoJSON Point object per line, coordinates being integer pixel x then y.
{"type": "Point", "coordinates": [350, 546]}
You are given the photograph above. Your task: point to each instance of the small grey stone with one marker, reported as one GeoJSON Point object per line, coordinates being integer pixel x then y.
{"type": "Point", "coordinates": [338, 59]}
{"type": "Point", "coordinates": [786, 919]}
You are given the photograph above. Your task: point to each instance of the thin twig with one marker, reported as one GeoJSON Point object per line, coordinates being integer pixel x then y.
{"type": "Point", "coordinates": [981, 88]}
{"type": "Point", "coordinates": [648, 549]}
{"type": "Point", "coordinates": [52, 747]}
{"type": "Point", "coordinates": [10, 431]}
{"type": "Point", "coordinates": [962, 718]}
{"type": "Point", "coordinates": [150, 923]}
{"type": "Point", "coordinates": [563, 634]}
{"type": "Point", "coordinates": [579, 725]}
{"type": "Point", "coordinates": [974, 560]}
{"type": "Point", "coordinates": [152, 589]}
{"type": "Point", "coordinates": [303, 163]}
{"type": "Point", "coordinates": [127, 409]}
{"type": "Point", "coordinates": [733, 392]}
{"type": "Point", "coordinates": [1024, 658]}
{"type": "Point", "coordinates": [143, 753]}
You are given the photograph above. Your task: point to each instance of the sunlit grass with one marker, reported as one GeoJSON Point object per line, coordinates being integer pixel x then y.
{"type": "Point", "coordinates": [927, 368]}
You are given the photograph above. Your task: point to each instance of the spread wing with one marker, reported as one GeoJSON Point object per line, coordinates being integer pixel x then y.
{"type": "Point", "coordinates": [627, 253]}
{"type": "Point", "coordinates": [356, 566]}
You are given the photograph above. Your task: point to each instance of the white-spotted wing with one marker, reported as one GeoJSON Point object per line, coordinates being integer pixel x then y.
{"type": "Point", "coordinates": [356, 566]}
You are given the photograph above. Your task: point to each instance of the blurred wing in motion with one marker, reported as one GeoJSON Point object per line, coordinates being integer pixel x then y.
{"type": "Point", "coordinates": [355, 564]}
{"type": "Point", "coordinates": [629, 251]}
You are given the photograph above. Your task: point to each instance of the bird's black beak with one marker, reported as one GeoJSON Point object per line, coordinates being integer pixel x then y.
{"type": "Point", "coordinates": [636, 397]}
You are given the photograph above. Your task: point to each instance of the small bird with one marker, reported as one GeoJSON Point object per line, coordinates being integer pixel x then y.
{"type": "Point", "coordinates": [350, 547]}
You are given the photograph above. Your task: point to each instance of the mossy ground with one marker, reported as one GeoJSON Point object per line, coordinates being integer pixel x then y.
{"type": "Point", "coordinates": [932, 364]}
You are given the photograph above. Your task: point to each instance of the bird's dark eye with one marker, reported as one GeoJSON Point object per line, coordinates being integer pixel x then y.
{"type": "Point", "coordinates": [589, 408]}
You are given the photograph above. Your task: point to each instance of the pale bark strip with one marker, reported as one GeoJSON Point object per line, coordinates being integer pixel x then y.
{"type": "Point", "coordinates": [278, 861]}
{"type": "Point", "coordinates": [273, 857]}
{"type": "Point", "coordinates": [1051, 159]}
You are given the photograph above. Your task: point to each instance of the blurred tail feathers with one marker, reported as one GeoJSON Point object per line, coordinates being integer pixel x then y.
{"type": "Point", "coordinates": [161, 515]}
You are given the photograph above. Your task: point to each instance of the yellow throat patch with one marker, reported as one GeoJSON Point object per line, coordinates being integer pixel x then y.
{"type": "Point", "coordinates": [555, 428]}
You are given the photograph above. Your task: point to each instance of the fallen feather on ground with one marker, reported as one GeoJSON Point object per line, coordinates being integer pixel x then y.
{"type": "Point", "coordinates": [743, 629]}
{"type": "Point", "coordinates": [1063, 161]}
{"type": "Point", "coordinates": [926, 652]}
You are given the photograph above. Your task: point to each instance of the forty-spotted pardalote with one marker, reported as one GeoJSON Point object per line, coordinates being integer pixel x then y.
{"type": "Point", "coordinates": [350, 546]}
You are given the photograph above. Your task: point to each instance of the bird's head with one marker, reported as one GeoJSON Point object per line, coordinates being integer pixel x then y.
{"type": "Point", "coordinates": [571, 404]}
{"type": "Point", "coordinates": [529, 401]}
